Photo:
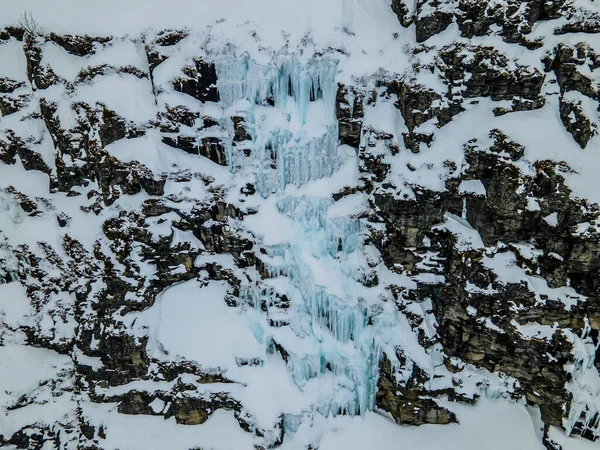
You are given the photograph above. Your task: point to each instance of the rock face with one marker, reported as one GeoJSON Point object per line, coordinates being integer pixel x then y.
{"type": "Point", "coordinates": [199, 81]}
{"type": "Point", "coordinates": [512, 20]}
{"type": "Point", "coordinates": [403, 242]}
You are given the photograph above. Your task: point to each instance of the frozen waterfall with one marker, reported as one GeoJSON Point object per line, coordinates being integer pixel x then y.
{"type": "Point", "coordinates": [290, 107]}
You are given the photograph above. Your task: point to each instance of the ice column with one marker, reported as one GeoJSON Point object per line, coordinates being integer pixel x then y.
{"type": "Point", "coordinates": [291, 108]}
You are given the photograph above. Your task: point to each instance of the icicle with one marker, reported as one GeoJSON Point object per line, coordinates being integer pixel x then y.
{"type": "Point", "coordinates": [291, 107]}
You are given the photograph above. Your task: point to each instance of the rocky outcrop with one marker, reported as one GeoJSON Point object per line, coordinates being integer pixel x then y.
{"type": "Point", "coordinates": [418, 105]}
{"type": "Point", "coordinates": [209, 147]}
{"type": "Point", "coordinates": [40, 76]}
{"type": "Point", "coordinates": [432, 17]}
{"type": "Point", "coordinates": [576, 122]}
{"type": "Point", "coordinates": [568, 62]}
{"type": "Point", "coordinates": [512, 20]}
{"type": "Point", "coordinates": [401, 9]}
{"type": "Point", "coordinates": [479, 315]}
{"type": "Point", "coordinates": [490, 74]}
{"type": "Point", "coordinates": [433, 231]}
{"type": "Point", "coordinates": [11, 100]}
{"type": "Point", "coordinates": [411, 403]}
{"type": "Point", "coordinates": [199, 81]}
{"type": "Point", "coordinates": [350, 113]}
{"type": "Point", "coordinates": [78, 45]}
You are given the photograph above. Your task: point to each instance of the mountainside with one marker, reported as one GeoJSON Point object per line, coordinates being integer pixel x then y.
{"type": "Point", "coordinates": [374, 226]}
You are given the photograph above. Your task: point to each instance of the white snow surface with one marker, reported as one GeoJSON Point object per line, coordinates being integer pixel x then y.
{"type": "Point", "coordinates": [295, 221]}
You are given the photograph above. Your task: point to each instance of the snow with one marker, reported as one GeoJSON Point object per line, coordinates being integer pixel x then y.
{"type": "Point", "coordinates": [187, 317]}
{"type": "Point", "coordinates": [535, 330]}
{"type": "Point", "coordinates": [117, 53]}
{"type": "Point", "coordinates": [570, 442]}
{"type": "Point", "coordinates": [157, 405]}
{"type": "Point", "coordinates": [552, 219]}
{"type": "Point", "coordinates": [220, 432]}
{"type": "Point", "coordinates": [160, 158]}
{"type": "Point", "coordinates": [314, 248]}
{"type": "Point", "coordinates": [15, 70]}
{"type": "Point", "coordinates": [472, 186]}
{"type": "Point", "coordinates": [505, 266]}
{"type": "Point", "coordinates": [468, 237]}
{"type": "Point", "coordinates": [125, 94]}
{"type": "Point", "coordinates": [193, 322]}
{"type": "Point", "coordinates": [23, 370]}
{"type": "Point", "coordinates": [14, 305]}
{"type": "Point", "coordinates": [532, 204]}
{"type": "Point", "coordinates": [485, 425]}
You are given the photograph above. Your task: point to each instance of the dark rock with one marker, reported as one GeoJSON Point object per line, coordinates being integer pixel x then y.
{"type": "Point", "coordinates": [78, 45]}
{"type": "Point", "coordinates": [410, 403]}
{"type": "Point", "coordinates": [186, 143]}
{"type": "Point", "coordinates": [41, 77]}
{"type": "Point", "coordinates": [10, 104]}
{"type": "Point", "coordinates": [12, 32]}
{"type": "Point", "coordinates": [435, 20]}
{"type": "Point", "coordinates": [213, 149]}
{"type": "Point", "coordinates": [124, 358]}
{"type": "Point", "coordinates": [209, 147]}
{"type": "Point", "coordinates": [63, 220]}
{"type": "Point", "coordinates": [418, 105]}
{"type": "Point", "coordinates": [167, 38]}
{"type": "Point", "coordinates": [200, 81]}
{"type": "Point", "coordinates": [7, 86]}
{"type": "Point", "coordinates": [32, 160]}
{"type": "Point", "coordinates": [405, 16]}
{"type": "Point", "coordinates": [26, 204]}
{"type": "Point", "coordinates": [474, 17]}
{"type": "Point", "coordinates": [155, 58]}
{"type": "Point", "coordinates": [155, 207]}
{"type": "Point", "coordinates": [580, 21]}
{"type": "Point", "coordinates": [350, 114]}
{"type": "Point", "coordinates": [407, 221]}
{"type": "Point", "coordinates": [112, 128]}
{"type": "Point", "coordinates": [565, 61]}
{"type": "Point", "coordinates": [490, 75]}
{"type": "Point", "coordinates": [576, 123]}
{"type": "Point", "coordinates": [175, 116]}
{"type": "Point", "coordinates": [521, 104]}
{"type": "Point", "coordinates": [240, 132]}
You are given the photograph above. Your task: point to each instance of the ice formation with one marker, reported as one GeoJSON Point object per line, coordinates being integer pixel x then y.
{"type": "Point", "coordinates": [299, 133]}
{"type": "Point", "coordinates": [236, 236]}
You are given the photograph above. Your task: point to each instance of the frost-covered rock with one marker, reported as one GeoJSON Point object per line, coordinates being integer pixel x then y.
{"type": "Point", "coordinates": [209, 238]}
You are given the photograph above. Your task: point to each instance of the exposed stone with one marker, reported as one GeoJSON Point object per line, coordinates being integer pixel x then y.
{"type": "Point", "coordinates": [576, 123]}
{"type": "Point", "coordinates": [209, 147]}
{"type": "Point", "coordinates": [240, 132]}
{"type": "Point", "coordinates": [566, 61]}
{"type": "Point", "coordinates": [10, 104]}
{"type": "Point", "coordinates": [418, 105]}
{"type": "Point", "coordinates": [78, 45]}
{"type": "Point", "coordinates": [405, 16]}
{"type": "Point", "coordinates": [192, 231]}
{"type": "Point", "coordinates": [409, 404]}
{"type": "Point", "coordinates": [432, 18]}
{"type": "Point", "coordinates": [350, 113]}
{"type": "Point", "coordinates": [490, 75]}
{"type": "Point", "coordinates": [41, 77]}
{"type": "Point", "coordinates": [200, 81]}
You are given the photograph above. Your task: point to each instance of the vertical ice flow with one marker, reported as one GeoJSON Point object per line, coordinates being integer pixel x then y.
{"type": "Point", "coordinates": [290, 108]}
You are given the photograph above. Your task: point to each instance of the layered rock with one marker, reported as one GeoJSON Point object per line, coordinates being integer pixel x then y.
{"type": "Point", "coordinates": [485, 254]}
